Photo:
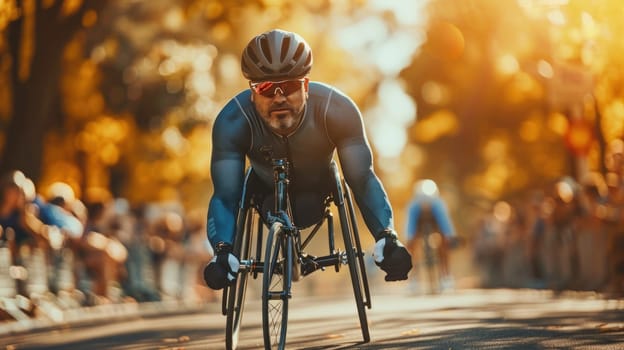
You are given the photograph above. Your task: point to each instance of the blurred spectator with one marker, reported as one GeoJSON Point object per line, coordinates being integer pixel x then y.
{"type": "Point", "coordinates": [592, 234]}
{"type": "Point", "coordinates": [515, 261]}
{"type": "Point", "coordinates": [64, 231]}
{"type": "Point", "coordinates": [103, 255]}
{"type": "Point", "coordinates": [490, 244]}
{"type": "Point", "coordinates": [567, 236]}
{"type": "Point", "coordinates": [615, 228]}
{"type": "Point", "coordinates": [13, 210]}
{"type": "Point", "coordinates": [563, 242]}
{"type": "Point", "coordinates": [198, 253]}
{"type": "Point", "coordinates": [52, 243]}
{"type": "Point", "coordinates": [540, 209]}
{"type": "Point", "coordinates": [57, 211]}
{"type": "Point", "coordinates": [140, 281]}
{"type": "Point", "coordinates": [15, 233]}
{"type": "Point", "coordinates": [169, 252]}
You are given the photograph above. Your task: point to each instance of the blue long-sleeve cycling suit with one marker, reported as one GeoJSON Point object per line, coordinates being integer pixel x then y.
{"type": "Point", "coordinates": [331, 122]}
{"type": "Point", "coordinates": [437, 210]}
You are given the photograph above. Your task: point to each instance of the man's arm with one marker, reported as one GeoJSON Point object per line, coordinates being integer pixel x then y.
{"type": "Point", "coordinates": [230, 141]}
{"type": "Point", "coordinates": [413, 213]}
{"type": "Point", "coordinates": [224, 202]}
{"type": "Point", "coordinates": [443, 218]}
{"type": "Point", "coordinates": [346, 130]}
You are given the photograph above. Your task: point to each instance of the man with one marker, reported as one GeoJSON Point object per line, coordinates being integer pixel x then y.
{"type": "Point", "coordinates": [283, 114]}
{"type": "Point", "coordinates": [427, 213]}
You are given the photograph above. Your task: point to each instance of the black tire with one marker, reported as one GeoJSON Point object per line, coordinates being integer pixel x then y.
{"type": "Point", "coordinates": [276, 282]}
{"type": "Point", "coordinates": [236, 292]}
{"type": "Point", "coordinates": [354, 270]}
{"type": "Point", "coordinates": [358, 246]}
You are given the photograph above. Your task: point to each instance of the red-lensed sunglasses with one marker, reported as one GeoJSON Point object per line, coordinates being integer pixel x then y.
{"type": "Point", "coordinates": [270, 88]}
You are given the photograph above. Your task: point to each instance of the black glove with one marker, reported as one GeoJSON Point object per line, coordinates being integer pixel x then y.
{"type": "Point", "coordinates": [392, 257]}
{"type": "Point", "coordinates": [223, 267]}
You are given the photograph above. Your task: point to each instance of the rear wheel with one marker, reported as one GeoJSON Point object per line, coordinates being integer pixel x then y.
{"type": "Point", "coordinates": [234, 295]}
{"type": "Point", "coordinates": [358, 246]}
{"type": "Point", "coordinates": [356, 269]}
{"type": "Point", "coordinates": [277, 275]}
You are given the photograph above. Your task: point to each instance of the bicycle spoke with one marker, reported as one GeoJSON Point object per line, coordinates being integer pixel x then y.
{"type": "Point", "coordinates": [276, 311]}
{"type": "Point", "coordinates": [275, 305]}
{"type": "Point", "coordinates": [276, 283]}
{"type": "Point", "coordinates": [236, 293]}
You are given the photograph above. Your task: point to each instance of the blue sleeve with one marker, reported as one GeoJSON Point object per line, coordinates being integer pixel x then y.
{"type": "Point", "coordinates": [53, 215]}
{"type": "Point", "coordinates": [413, 214]}
{"type": "Point", "coordinates": [442, 217]}
{"type": "Point", "coordinates": [230, 141]}
{"type": "Point", "coordinates": [346, 130]}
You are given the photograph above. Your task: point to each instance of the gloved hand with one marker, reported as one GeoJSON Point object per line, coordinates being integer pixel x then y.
{"type": "Point", "coordinates": [223, 267]}
{"type": "Point", "coordinates": [392, 257]}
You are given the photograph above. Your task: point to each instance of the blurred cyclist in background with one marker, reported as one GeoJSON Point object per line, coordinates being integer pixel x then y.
{"type": "Point", "coordinates": [428, 217]}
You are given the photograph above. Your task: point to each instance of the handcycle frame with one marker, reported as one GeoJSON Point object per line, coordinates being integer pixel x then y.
{"type": "Point", "coordinates": [285, 260]}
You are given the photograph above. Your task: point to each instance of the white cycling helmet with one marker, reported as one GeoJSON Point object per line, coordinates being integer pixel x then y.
{"type": "Point", "coordinates": [426, 187]}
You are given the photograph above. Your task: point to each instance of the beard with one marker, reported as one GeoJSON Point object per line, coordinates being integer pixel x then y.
{"type": "Point", "coordinates": [282, 121]}
{"type": "Point", "coordinates": [283, 118]}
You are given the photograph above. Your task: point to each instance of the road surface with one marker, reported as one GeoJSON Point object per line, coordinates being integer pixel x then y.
{"type": "Point", "coordinates": [464, 319]}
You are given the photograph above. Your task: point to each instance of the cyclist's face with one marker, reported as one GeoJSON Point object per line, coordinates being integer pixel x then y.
{"type": "Point", "coordinates": [282, 113]}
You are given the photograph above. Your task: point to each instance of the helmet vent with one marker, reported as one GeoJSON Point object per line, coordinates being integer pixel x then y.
{"type": "Point", "coordinates": [253, 56]}
{"type": "Point", "coordinates": [299, 51]}
{"type": "Point", "coordinates": [266, 50]}
{"type": "Point", "coordinates": [285, 46]}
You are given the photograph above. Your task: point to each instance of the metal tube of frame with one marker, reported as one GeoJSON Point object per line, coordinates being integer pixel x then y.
{"type": "Point", "coordinates": [330, 231]}
{"type": "Point", "coordinates": [311, 235]}
{"type": "Point", "coordinates": [280, 168]}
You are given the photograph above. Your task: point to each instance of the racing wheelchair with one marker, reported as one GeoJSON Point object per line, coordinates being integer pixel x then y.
{"type": "Point", "coordinates": [281, 256]}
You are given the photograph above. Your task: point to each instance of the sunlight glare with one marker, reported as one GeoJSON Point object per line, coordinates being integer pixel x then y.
{"type": "Point", "coordinates": [396, 52]}
{"type": "Point", "coordinates": [556, 17]}
{"type": "Point", "coordinates": [407, 12]}
{"type": "Point", "coordinates": [363, 34]}
{"type": "Point", "coordinates": [545, 69]}
{"type": "Point", "coordinates": [502, 211]}
{"type": "Point", "coordinates": [394, 111]}
{"type": "Point", "coordinates": [507, 64]}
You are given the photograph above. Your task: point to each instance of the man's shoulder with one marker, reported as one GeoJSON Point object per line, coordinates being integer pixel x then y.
{"type": "Point", "coordinates": [238, 107]}
{"type": "Point", "coordinates": [321, 89]}
{"type": "Point", "coordinates": [318, 86]}
{"type": "Point", "coordinates": [236, 117]}
{"type": "Point", "coordinates": [241, 100]}
{"type": "Point", "coordinates": [324, 93]}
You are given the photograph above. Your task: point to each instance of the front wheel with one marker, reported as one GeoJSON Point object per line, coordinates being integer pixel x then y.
{"type": "Point", "coordinates": [236, 300]}
{"type": "Point", "coordinates": [276, 283]}
{"type": "Point", "coordinates": [234, 295]}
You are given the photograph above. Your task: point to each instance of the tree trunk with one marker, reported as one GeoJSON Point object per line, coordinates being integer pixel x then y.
{"type": "Point", "coordinates": [32, 99]}
{"type": "Point", "coordinates": [35, 98]}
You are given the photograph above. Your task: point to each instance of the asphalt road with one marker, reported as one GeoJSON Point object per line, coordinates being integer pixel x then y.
{"type": "Point", "coordinates": [464, 319]}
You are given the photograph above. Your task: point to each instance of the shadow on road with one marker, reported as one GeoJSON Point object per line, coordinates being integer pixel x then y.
{"type": "Point", "coordinates": [582, 330]}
